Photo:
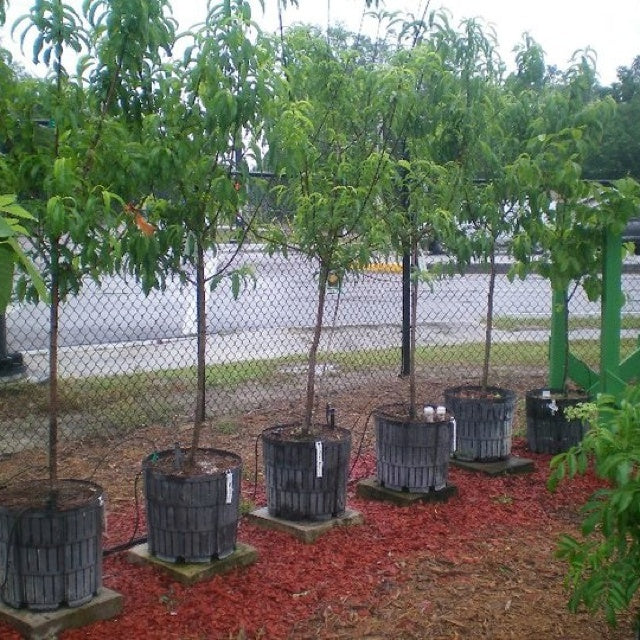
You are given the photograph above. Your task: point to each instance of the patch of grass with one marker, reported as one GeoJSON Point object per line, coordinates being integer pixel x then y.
{"type": "Point", "coordinates": [524, 323]}
{"type": "Point", "coordinates": [227, 427]}
{"type": "Point", "coordinates": [246, 506]}
{"type": "Point", "coordinates": [227, 375]}
{"type": "Point", "coordinates": [147, 397]}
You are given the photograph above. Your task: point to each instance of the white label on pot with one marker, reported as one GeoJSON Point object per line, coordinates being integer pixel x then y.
{"type": "Point", "coordinates": [229, 487]}
{"type": "Point", "coordinates": [454, 435]}
{"type": "Point", "coordinates": [319, 460]}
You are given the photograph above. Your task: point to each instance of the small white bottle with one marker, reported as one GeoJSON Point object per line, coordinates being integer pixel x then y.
{"type": "Point", "coordinates": [428, 413]}
{"type": "Point", "coordinates": [441, 413]}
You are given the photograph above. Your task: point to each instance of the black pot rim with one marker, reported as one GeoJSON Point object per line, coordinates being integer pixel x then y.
{"type": "Point", "coordinates": [387, 412]}
{"type": "Point", "coordinates": [97, 498]}
{"type": "Point", "coordinates": [506, 395]}
{"type": "Point", "coordinates": [148, 462]}
{"type": "Point", "coordinates": [269, 434]}
{"type": "Point", "coordinates": [559, 394]}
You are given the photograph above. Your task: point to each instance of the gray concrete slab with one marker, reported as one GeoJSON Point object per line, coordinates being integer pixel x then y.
{"type": "Point", "coordinates": [371, 489]}
{"type": "Point", "coordinates": [305, 530]}
{"type": "Point", "coordinates": [48, 624]}
{"type": "Point", "coordinates": [510, 466]}
{"type": "Point", "coordinates": [190, 573]}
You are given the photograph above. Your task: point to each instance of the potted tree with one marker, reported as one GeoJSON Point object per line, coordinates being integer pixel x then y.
{"type": "Point", "coordinates": [413, 449]}
{"type": "Point", "coordinates": [51, 531]}
{"type": "Point", "coordinates": [317, 138]}
{"type": "Point", "coordinates": [194, 148]}
{"type": "Point", "coordinates": [490, 212]}
{"type": "Point", "coordinates": [484, 413]}
{"type": "Point", "coordinates": [566, 220]}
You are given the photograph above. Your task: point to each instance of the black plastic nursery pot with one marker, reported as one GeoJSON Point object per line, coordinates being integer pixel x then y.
{"type": "Point", "coordinates": [412, 455]}
{"type": "Point", "coordinates": [192, 514]}
{"type": "Point", "coordinates": [50, 544]}
{"type": "Point", "coordinates": [484, 421]}
{"type": "Point", "coordinates": [548, 429]}
{"type": "Point", "coordinates": [306, 474]}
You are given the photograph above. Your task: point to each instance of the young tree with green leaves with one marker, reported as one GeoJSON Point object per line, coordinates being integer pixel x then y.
{"type": "Point", "coordinates": [440, 90]}
{"type": "Point", "coordinates": [320, 139]}
{"type": "Point", "coordinates": [565, 219]}
{"type": "Point", "coordinates": [59, 169]}
{"type": "Point", "coordinates": [193, 158]}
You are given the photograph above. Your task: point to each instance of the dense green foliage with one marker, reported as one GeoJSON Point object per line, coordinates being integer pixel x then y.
{"type": "Point", "coordinates": [604, 564]}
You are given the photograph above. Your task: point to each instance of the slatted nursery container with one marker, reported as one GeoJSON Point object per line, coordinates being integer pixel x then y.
{"type": "Point", "coordinates": [50, 544]}
{"type": "Point", "coordinates": [412, 454]}
{"type": "Point", "coordinates": [192, 514]}
{"type": "Point", "coordinates": [306, 475]}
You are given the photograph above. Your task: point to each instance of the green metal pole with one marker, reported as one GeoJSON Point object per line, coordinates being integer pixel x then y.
{"type": "Point", "coordinates": [610, 324]}
{"type": "Point", "coordinates": [558, 340]}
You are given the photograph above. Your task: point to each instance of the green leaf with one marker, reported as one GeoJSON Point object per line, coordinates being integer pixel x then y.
{"type": "Point", "coordinates": [6, 230]}
{"type": "Point", "coordinates": [7, 262]}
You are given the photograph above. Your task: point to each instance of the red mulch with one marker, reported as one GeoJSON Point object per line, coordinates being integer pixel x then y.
{"type": "Point", "coordinates": [468, 568]}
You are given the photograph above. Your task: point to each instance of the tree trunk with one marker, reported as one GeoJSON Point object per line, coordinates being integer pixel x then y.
{"type": "Point", "coordinates": [412, 328]}
{"type": "Point", "coordinates": [313, 350]}
{"type": "Point", "coordinates": [489, 327]}
{"type": "Point", "coordinates": [201, 314]}
{"type": "Point", "coordinates": [54, 312]}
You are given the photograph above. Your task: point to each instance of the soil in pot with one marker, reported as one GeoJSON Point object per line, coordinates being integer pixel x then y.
{"type": "Point", "coordinates": [548, 429]}
{"type": "Point", "coordinates": [412, 455]}
{"type": "Point", "coordinates": [306, 473]}
{"type": "Point", "coordinates": [192, 512]}
{"type": "Point", "coordinates": [484, 421]}
{"type": "Point", "coordinates": [50, 544]}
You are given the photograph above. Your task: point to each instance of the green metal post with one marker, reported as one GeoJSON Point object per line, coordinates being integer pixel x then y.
{"type": "Point", "coordinates": [610, 326]}
{"type": "Point", "coordinates": [558, 340]}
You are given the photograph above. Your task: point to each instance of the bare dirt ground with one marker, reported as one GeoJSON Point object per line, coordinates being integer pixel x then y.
{"type": "Point", "coordinates": [501, 583]}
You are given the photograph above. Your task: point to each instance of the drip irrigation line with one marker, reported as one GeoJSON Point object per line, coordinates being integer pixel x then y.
{"type": "Point", "coordinates": [255, 469]}
{"type": "Point", "coordinates": [125, 546]}
{"type": "Point", "coordinates": [133, 541]}
{"type": "Point", "coordinates": [360, 444]}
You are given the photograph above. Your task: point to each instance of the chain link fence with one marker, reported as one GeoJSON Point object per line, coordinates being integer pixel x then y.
{"type": "Point", "coordinates": [127, 360]}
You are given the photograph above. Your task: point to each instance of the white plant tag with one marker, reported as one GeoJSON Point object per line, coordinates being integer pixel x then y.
{"type": "Point", "coordinates": [229, 487]}
{"type": "Point", "coordinates": [319, 460]}
{"type": "Point", "coordinates": [455, 435]}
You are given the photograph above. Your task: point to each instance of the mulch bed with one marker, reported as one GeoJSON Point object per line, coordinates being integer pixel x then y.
{"type": "Point", "coordinates": [480, 566]}
{"type": "Point", "coordinates": [470, 568]}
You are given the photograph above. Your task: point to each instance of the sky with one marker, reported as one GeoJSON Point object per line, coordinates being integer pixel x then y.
{"type": "Point", "coordinates": [561, 27]}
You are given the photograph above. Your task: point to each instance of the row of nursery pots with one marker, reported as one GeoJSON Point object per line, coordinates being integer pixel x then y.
{"type": "Point", "coordinates": [51, 538]}
{"type": "Point", "coordinates": [413, 454]}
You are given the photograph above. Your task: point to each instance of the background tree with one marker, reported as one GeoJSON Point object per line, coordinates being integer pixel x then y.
{"type": "Point", "coordinates": [618, 153]}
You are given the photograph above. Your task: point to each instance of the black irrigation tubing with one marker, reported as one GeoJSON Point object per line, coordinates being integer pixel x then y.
{"type": "Point", "coordinates": [255, 469]}
{"type": "Point", "coordinates": [361, 443]}
{"type": "Point", "coordinates": [125, 546]}
{"type": "Point", "coordinates": [133, 541]}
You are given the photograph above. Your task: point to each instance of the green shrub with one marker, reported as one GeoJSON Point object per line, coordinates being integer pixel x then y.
{"type": "Point", "coordinates": [604, 564]}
